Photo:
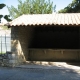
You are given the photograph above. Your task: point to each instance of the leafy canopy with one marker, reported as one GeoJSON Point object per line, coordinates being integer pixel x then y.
{"type": "Point", "coordinates": [31, 7]}
{"type": "Point", "coordinates": [5, 16]}
{"type": "Point", "coordinates": [73, 7]}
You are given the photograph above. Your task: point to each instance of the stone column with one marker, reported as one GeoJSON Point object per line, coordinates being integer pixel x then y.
{"type": "Point", "coordinates": [17, 56]}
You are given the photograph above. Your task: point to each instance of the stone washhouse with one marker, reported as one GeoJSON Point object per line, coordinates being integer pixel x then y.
{"type": "Point", "coordinates": [45, 37]}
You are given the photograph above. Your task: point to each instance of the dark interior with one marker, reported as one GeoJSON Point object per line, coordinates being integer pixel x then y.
{"type": "Point", "coordinates": [56, 37]}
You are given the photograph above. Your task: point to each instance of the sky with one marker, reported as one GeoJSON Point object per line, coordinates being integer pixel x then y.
{"type": "Point", "coordinates": [60, 4]}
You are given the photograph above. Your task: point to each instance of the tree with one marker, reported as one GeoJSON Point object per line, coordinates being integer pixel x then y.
{"type": "Point", "coordinates": [73, 7]}
{"type": "Point", "coordinates": [5, 16]}
{"type": "Point", "coordinates": [1, 6]}
{"type": "Point", "coordinates": [31, 7]}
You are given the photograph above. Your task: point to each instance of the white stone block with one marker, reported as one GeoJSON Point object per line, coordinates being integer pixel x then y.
{"type": "Point", "coordinates": [12, 61]}
{"type": "Point", "coordinates": [11, 56]}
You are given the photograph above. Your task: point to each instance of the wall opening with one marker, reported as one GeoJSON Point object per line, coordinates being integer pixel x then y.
{"type": "Point", "coordinates": [56, 38]}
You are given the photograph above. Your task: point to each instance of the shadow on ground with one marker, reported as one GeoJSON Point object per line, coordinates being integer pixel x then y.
{"type": "Point", "coordinates": [36, 70]}
{"type": "Point", "coordinates": [52, 65]}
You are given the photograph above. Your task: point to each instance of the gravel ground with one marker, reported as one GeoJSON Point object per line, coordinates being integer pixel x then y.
{"type": "Point", "coordinates": [38, 74]}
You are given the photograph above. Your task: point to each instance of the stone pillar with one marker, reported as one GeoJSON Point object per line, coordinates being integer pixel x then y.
{"type": "Point", "coordinates": [17, 56]}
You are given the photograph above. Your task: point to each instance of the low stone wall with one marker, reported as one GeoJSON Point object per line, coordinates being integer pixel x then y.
{"type": "Point", "coordinates": [1, 60]}
{"type": "Point", "coordinates": [54, 55]}
{"type": "Point", "coordinates": [4, 60]}
{"type": "Point", "coordinates": [8, 59]}
{"type": "Point", "coordinates": [11, 59]}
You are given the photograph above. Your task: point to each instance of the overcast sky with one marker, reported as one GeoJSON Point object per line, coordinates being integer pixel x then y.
{"type": "Point", "coordinates": [60, 4]}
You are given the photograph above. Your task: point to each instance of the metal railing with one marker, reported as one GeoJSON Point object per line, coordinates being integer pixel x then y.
{"type": "Point", "coordinates": [5, 43]}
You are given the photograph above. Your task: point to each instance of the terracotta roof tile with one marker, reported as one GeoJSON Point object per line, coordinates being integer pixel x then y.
{"type": "Point", "coordinates": [47, 19]}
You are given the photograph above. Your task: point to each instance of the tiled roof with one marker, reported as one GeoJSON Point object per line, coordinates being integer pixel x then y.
{"type": "Point", "coordinates": [47, 19]}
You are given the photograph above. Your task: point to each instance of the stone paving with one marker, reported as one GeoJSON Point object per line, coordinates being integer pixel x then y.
{"type": "Point", "coordinates": [39, 73]}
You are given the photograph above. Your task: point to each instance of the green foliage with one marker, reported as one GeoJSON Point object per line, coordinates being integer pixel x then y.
{"type": "Point", "coordinates": [6, 16]}
{"type": "Point", "coordinates": [1, 16]}
{"type": "Point", "coordinates": [5, 28]}
{"type": "Point", "coordinates": [31, 7]}
{"type": "Point", "coordinates": [2, 5]}
{"type": "Point", "coordinates": [73, 7]}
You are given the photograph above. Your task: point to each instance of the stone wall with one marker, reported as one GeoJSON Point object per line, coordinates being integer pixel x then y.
{"type": "Point", "coordinates": [26, 35]}
{"type": "Point", "coordinates": [20, 40]}
{"type": "Point", "coordinates": [54, 55]}
{"type": "Point", "coordinates": [5, 58]}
